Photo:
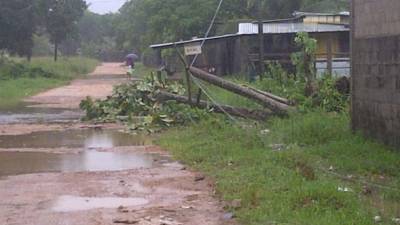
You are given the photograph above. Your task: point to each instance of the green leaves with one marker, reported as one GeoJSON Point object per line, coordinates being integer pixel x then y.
{"type": "Point", "coordinates": [17, 25]}
{"type": "Point", "coordinates": [136, 102]}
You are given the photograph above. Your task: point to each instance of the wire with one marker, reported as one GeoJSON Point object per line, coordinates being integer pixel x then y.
{"type": "Point", "coordinates": [208, 30]}
{"type": "Point", "coordinates": [196, 80]}
{"type": "Point", "coordinates": [203, 88]}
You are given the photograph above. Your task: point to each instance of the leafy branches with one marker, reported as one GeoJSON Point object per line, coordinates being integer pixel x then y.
{"type": "Point", "coordinates": [137, 103]}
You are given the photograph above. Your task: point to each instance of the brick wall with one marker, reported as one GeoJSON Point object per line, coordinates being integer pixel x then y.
{"type": "Point", "coordinates": [376, 69]}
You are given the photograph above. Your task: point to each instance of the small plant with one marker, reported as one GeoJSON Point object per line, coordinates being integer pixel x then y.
{"type": "Point", "coordinates": [304, 60]}
{"type": "Point", "coordinates": [329, 98]}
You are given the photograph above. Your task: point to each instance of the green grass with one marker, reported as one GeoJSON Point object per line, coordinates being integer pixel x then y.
{"type": "Point", "coordinates": [142, 70]}
{"type": "Point", "coordinates": [300, 183]}
{"type": "Point", "coordinates": [61, 72]}
{"type": "Point", "coordinates": [66, 67]}
{"type": "Point", "coordinates": [12, 91]}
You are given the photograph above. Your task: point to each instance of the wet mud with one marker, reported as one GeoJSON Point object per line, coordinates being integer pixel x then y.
{"type": "Point", "coordinates": [56, 170]}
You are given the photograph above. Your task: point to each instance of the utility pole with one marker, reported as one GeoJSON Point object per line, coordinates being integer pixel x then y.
{"type": "Point", "coordinates": [261, 40]}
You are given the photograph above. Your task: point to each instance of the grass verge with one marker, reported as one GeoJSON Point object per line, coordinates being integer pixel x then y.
{"type": "Point", "coordinates": [22, 79]}
{"type": "Point", "coordinates": [308, 169]}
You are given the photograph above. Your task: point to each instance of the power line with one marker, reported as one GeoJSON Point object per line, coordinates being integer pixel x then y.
{"type": "Point", "coordinates": [195, 80]}
{"type": "Point", "coordinates": [105, 1]}
{"type": "Point", "coordinates": [208, 30]}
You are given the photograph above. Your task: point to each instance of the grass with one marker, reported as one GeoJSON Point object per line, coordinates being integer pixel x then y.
{"type": "Point", "coordinates": [142, 70]}
{"type": "Point", "coordinates": [19, 86]}
{"type": "Point", "coordinates": [66, 67]}
{"type": "Point", "coordinates": [12, 91]}
{"type": "Point", "coordinates": [294, 174]}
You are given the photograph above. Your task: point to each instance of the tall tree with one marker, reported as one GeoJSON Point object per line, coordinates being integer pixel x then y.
{"type": "Point", "coordinates": [17, 26]}
{"type": "Point", "coordinates": [143, 22]}
{"type": "Point", "coordinates": [61, 18]}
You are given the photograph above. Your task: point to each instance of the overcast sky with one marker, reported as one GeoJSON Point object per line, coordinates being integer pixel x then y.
{"type": "Point", "coordinates": [105, 6]}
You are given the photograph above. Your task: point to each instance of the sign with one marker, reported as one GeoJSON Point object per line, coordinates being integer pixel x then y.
{"type": "Point", "coordinates": [193, 49]}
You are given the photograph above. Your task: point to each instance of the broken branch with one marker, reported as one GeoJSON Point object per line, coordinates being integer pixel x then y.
{"type": "Point", "coordinates": [235, 111]}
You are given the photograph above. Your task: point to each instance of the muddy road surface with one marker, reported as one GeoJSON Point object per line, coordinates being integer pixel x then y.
{"type": "Point", "coordinates": [55, 170]}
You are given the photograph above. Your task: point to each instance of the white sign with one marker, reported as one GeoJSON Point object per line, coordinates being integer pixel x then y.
{"type": "Point", "coordinates": [193, 49]}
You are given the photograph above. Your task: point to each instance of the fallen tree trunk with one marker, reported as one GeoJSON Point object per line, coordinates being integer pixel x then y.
{"type": "Point", "coordinates": [272, 96]}
{"type": "Point", "coordinates": [274, 105]}
{"type": "Point", "coordinates": [234, 111]}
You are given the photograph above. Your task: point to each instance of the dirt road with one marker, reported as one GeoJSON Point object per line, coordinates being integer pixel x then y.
{"type": "Point", "coordinates": [98, 84]}
{"type": "Point", "coordinates": [82, 174]}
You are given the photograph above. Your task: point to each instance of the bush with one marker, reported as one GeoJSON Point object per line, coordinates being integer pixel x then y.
{"type": "Point", "coordinates": [13, 70]}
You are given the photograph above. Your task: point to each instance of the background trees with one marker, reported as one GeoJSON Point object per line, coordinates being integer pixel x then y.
{"type": "Point", "coordinates": [17, 25]}
{"type": "Point", "coordinates": [20, 19]}
{"type": "Point", "coordinates": [69, 26]}
{"type": "Point", "coordinates": [61, 19]}
{"type": "Point", "coordinates": [142, 22]}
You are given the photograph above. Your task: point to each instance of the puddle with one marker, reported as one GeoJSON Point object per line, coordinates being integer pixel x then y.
{"type": "Point", "coordinates": [27, 113]}
{"type": "Point", "coordinates": [18, 163]}
{"type": "Point", "coordinates": [107, 77]}
{"type": "Point", "coordinates": [71, 203]}
{"type": "Point", "coordinates": [89, 139]}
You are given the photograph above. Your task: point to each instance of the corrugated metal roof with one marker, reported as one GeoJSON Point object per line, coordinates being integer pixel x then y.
{"type": "Point", "coordinates": [298, 13]}
{"type": "Point", "coordinates": [171, 44]}
{"type": "Point", "coordinates": [282, 28]}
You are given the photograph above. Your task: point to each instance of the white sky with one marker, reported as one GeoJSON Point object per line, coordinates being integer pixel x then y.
{"type": "Point", "coordinates": [105, 6]}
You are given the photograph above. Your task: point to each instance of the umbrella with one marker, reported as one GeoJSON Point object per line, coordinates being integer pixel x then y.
{"type": "Point", "coordinates": [132, 57]}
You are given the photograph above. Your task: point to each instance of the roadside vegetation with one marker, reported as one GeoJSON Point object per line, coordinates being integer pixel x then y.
{"type": "Point", "coordinates": [20, 79]}
{"type": "Point", "coordinates": [306, 168]}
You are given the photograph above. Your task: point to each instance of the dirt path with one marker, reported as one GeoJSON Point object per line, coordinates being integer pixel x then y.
{"type": "Point", "coordinates": [98, 84]}
{"type": "Point", "coordinates": [157, 191]}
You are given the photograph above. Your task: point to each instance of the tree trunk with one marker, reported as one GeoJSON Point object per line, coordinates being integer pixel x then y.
{"type": "Point", "coordinates": [55, 51]}
{"type": "Point", "coordinates": [276, 106]}
{"type": "Point", "coordinates": [269, 95]}
{"type": "Point", "coordinates": [234, 111]}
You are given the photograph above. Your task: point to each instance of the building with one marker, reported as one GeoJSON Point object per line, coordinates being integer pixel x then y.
{"type": "Point", "coordinates": [238, 53]}
{"type": "Point", "coordinates": [376, 69]}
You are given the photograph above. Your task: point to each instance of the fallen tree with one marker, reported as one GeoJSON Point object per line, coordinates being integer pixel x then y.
{"type": "Point", "coordinates": [256, 114]}
{"type": "Point", "coordinates": [272, 96]}
{"type": "Point", "coordinates": [278, 107]}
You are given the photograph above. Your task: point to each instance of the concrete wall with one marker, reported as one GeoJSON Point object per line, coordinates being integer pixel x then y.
{"type": "Point", "coordinates": [376, 69]}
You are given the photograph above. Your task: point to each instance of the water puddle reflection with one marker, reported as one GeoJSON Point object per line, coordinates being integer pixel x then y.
{"type": "Point", "coordinates": [71, 203]}
{"type": "Point", "coordinates": [88, 139]}
{"type": "Point", "coordinates": [28, 113]}
{"type": "Point", "coordinates": [17, 163]}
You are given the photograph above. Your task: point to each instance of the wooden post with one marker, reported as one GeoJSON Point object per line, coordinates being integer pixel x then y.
{"type": "Point", "coordinates": [261, 46]}
{"type": "Point", "coordinates": [329, 56]}
{"type": "Point", "coordinates": [187, 74]}
{"type": "Point", "coordinates": [261, 41]}
{"type": "Point", "coordinates": [55, 51]}
{"type": "Point", "coordinates": [198, 99]}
